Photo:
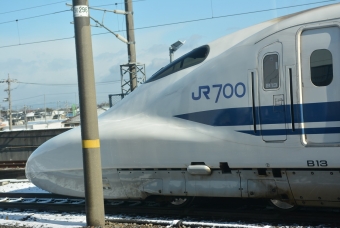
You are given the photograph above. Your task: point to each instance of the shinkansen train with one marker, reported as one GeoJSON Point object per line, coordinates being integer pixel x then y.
{"type": "Point", "coordinates": [254, 114]}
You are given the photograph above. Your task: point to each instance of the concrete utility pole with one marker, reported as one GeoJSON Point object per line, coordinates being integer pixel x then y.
{"type": "Point", "coordinates": [9, 102]}
{"type": "Point", "coordinates": [88, 114]}
{"type": "Point", "coordinates": [130, 33]}
{"type": "Point", "coordinates": [45, 107]}
{"type": "Point", "coordinates": [9, 99]}
{"type": "Point", "coordinates": [132, 66]}
{"type": "Point", "coordinates": [25, 116]}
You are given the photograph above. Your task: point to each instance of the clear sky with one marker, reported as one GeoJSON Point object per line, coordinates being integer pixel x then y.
{"type": "Point", "coordinates": [37, 45]}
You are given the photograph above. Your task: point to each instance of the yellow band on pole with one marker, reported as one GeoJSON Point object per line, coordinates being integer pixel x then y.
{"type": "Point", "coordinates": [91, 143]}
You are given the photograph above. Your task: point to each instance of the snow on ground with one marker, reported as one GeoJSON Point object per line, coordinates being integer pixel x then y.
{"type": "Point", "coordinates": [19, 186]}
{"type": "Point", "coordinates": [35, 219]}
{"type": "Point", "coordinates": [41, 219]}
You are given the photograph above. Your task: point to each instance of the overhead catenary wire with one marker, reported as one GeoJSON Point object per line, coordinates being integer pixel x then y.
{"type": "Point", "coordinates": [53, 3]}
{"type": "Point", "coordinates": [231, 15]}
{"type": "Point", "coordinates": [48, 14]}
{"type": "Point", "coordinates": [18, 31]}
{"type": "Point", "coordinates": [188, 21]}
{"type": "Point", "coordinates": [172, 23]}
{"type": "Point", "coordinates": [119, 3]}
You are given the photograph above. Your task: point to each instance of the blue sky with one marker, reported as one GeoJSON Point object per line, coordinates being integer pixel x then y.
{"type": "Point", "coordinates": [54, 62]}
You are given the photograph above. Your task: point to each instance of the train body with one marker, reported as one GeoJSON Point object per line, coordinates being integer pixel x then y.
{"type": "Point", "coordinates": [254, 114]}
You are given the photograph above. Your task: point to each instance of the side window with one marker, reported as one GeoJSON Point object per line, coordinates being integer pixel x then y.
{"type": "Point", "coordinates": [192, 58]}
{"type": "Point", "coordinates": [271, 71]}
{"type": "Point", "coordinates": [321, 67]}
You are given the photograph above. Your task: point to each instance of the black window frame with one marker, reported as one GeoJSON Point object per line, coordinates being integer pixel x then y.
{"type": "Point", "coordinates": [162, 72]}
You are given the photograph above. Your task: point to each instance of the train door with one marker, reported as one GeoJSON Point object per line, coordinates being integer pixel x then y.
{"type": "Point", "coordinates": [320, 81]}
{"type": "Point", "coordinates": [272, 94]}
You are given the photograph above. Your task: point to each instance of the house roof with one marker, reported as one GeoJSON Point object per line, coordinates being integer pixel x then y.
{"type": "Point", "coordinates": [76, 119]}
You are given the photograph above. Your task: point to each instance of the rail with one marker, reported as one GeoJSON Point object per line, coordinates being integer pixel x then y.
{"type": "Point", "coordinates": [12, 164]}
{"type": "Point", "coordinates": [202, 208]}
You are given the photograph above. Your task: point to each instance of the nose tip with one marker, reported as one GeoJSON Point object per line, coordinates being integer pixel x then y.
{"type": "Point", "coordinates": [59, 160]}
{"type": "Point", "coordinates": [30, 167]}
{"type": "Point", "coordinates": [35, 165]}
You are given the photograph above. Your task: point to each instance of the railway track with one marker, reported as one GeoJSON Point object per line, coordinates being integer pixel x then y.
{"type": "Point", "coordinates": [201, 208]}
{"type": "Point", "coordinates": [12, 164]}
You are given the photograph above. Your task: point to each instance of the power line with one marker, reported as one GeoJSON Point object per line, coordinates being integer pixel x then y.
{"type": "Point", "coordinates": [231, 15]}
{"type": "Point", "coordinates": [48, 14]}
{"type": "Point", "coordinates": [27, 18]}
{"type": "Point", "coordinates": [37, 42]}
{"type": "Point", "coordinates": [31, 105]}
{"type": "Point", "coordinates": [66, 84]}
{"type": "Point", "coordinates": [51, 94]}
{"type": "Point", "coordinates": [173, 23]}
{"type": "Point", "coordinates": [33, 7]}
{"type": "Point", "coordinates": [26, 98]}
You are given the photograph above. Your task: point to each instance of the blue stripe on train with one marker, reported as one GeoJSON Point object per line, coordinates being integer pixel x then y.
{"type": "Point", "coordinates": [313, 112]}
{"type": "Point", "coordinates": [328, 130]}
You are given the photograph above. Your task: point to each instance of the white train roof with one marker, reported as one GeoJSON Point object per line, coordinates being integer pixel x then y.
{"type": "Point", "coordinates": [258, 32]}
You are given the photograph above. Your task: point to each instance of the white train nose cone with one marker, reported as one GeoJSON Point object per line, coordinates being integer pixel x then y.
{"type": "Point", "coordinates": [56, 166]}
